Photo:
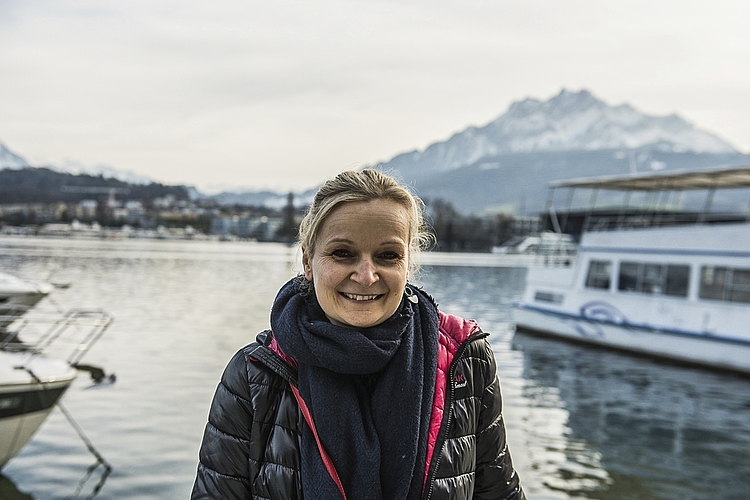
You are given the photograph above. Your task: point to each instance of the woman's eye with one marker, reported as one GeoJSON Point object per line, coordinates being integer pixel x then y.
{"type": "Point", "coordinates": [341, 254]}
{"type": "Point", "coordinates": [390, 256]}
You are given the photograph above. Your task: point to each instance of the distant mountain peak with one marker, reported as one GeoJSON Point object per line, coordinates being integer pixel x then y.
{"type": "Point", "coordinates": [569, 121]}
{"type": "Point", "coordinates": [9, 159]}
{"type": "Point", "coordinates": [563, 104]}
{"type": "Point", "coordinates": [573, 121]}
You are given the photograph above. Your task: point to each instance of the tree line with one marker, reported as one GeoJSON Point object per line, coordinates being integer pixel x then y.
{"type": "Point", "coordinates": [43, 185]}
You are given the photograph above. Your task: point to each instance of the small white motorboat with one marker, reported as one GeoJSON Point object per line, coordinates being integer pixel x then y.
{"type": "Point", "coordinates": [39, 359]}
{"type": "Point", "coordinates": [30, 386]}
{"type": "Point", "coordinates": [545, 243]}
{"type": "Point", "coordinates": [19, 295]}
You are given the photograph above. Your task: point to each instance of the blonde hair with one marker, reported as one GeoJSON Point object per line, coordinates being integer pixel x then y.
{"type": "Point", "coordinates": [363, 186]}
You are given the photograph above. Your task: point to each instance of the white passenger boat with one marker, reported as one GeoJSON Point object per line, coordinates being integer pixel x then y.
{"type": "Point", "coordinates": [654, 281]}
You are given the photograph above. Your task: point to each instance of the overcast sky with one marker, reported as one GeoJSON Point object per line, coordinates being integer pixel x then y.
{"type": "Point", "coordinates": [283, 94]}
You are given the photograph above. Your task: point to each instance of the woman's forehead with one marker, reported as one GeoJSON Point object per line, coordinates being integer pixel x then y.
{"type": "Point", "coordinates": [381, 217]}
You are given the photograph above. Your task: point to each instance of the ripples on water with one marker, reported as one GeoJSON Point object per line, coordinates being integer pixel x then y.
{"type": "Point", "coordinates": [582, 422]}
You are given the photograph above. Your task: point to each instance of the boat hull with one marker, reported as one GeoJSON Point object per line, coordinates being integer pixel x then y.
{"type": "Point", "coordinates": [695, 349]}
{"type": "Point", "coordinates": [30, 386]}
{"type": "Point", "coordinates": [18, 296]}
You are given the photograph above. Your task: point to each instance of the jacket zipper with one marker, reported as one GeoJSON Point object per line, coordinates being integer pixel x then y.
{"type": "Point", "coordinates": [436, 452]}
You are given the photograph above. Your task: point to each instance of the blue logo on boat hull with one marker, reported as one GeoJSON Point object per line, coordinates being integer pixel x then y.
{"type": "Point", "coordinates": [602, 311]}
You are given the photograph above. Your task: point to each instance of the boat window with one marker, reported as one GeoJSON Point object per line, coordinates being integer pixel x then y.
{"type": "Point", "coordinates": [713, 282]}
{"type": "Point", "coordinates": [599, 274]}
{"type": "Point", "coordinates": [553, 298]}
{"type": "Point", "coordinates": [725, 283]}
{"type": "Point", "coordinates": [628, 279]}
{"type": "Point", "coordinates": [650, 278]}
{"type": "Point", "coordinates": [678, 279]}
{"type": "Point", "coordinates": [740, 286]}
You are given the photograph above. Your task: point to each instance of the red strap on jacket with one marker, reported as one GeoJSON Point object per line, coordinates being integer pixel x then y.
{"type": "Point", "coordinates": [323, 453]}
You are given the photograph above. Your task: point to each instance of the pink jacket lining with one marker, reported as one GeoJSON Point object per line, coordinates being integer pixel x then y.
{"type": "Point", "coordinates": [453, 332]}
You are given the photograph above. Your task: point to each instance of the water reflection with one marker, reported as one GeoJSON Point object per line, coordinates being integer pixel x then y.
{"type": "Point", "coordinates": [89, 486]}
{"type": "Point", "coordinates": [639, 429]}
{"type": "Point", "coordinates": [96, 474]}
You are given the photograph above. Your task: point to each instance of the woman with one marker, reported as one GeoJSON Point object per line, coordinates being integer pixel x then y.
{"type": "Point", "coordinates": [362, 389]}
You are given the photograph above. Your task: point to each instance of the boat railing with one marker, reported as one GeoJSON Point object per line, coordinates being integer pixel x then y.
{"type": "Point", "coordinates": [610, 222]}
{"type": "Point", "coordinates": [12, 312]}
{"type": "Point", "coordinates": [647, 200]}
{"type": "Point", "coordinates": [67, 336]}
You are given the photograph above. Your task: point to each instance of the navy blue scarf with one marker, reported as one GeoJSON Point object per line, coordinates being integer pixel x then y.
{"type": "Point", "coordinates": [370, 393]}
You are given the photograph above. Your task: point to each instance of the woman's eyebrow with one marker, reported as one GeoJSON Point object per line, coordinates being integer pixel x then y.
{"type": "Point", "coordinates": [340, 240]}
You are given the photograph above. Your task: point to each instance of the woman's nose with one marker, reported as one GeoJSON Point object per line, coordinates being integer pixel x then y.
{"type": "Point", "coordinates": [365, 274]}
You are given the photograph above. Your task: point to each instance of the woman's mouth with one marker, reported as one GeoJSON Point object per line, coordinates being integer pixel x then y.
{"type": "Point", "coordinates": [358, 298]}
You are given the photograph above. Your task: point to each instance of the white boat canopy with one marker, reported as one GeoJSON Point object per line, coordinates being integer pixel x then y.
{"type": "Point", "coordinates": [681, 180]}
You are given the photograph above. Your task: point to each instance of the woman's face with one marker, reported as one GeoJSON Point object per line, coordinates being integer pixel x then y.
{"type": "Point", "coordinates": [360, 263]}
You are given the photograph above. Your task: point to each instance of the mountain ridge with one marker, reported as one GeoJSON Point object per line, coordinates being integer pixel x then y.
{"type": "Point", "coordinates": [11, 160]}
{"type": "Point", "coordinates": [569, 121]}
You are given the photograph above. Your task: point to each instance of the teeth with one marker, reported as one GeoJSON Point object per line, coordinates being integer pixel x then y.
{"type": "Point", "coordinates": [360, 297]}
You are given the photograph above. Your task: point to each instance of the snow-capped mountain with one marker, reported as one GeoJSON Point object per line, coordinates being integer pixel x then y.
{"type": "Point", "coordinates": [9, 159]}
{"type": "Point", "coordinates": [570, 121]}
{"type": "Point", "coordinates": [128, 176]}
{"type": "Point", "coordinates": [579, 121]}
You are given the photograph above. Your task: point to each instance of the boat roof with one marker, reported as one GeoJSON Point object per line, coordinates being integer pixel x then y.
{"type": "Point", "coordinates": [675, 180]}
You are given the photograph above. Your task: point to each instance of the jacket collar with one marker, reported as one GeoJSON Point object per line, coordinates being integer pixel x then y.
{"type": "Point", "coordinates": [267, 351]}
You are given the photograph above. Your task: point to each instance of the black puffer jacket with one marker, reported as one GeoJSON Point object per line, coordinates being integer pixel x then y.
{"type": "Point", "coordinates": [251, 443]}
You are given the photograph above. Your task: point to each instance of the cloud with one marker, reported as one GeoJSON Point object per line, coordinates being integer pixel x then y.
{"type": "Point", "coordinates": [285, 93]}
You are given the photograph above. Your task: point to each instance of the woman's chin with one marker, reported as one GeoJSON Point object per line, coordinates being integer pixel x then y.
{"type": "Point", "coordinates": [358, 320]}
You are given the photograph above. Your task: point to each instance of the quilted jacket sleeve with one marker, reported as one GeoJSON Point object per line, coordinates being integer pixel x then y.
{"type": "Point", "coordinates": [495, 476]}
{"type": "Point", "coordinates": [223, 468]}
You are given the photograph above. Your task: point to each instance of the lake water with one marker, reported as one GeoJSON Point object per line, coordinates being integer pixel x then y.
{"type": "Point", "coordinates": [582, 422]}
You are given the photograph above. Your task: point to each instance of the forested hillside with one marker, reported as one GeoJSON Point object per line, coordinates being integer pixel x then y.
{"type": "Point", "coordinates": [42, 185]}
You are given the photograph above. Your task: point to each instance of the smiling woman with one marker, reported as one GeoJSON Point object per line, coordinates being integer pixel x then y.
{"type": "Point", "coordinates": [363, 389]}
{"type": "Point", "coordinates": [360, 265]}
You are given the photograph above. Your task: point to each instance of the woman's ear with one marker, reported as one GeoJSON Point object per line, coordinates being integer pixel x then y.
{"type": "Point", "coordinates": [306, 266]}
